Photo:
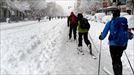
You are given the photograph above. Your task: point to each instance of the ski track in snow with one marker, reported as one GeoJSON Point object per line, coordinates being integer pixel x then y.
{"type": "Point", "coordinates": [44, 48]}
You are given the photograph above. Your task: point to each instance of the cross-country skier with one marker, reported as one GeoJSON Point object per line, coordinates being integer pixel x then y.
{"type": "Point", "coordinates": [83, 28]}
{"type": "Point", "coordinates": [72, 23]}
{"type": "Point", "coordinates": [118, 39]}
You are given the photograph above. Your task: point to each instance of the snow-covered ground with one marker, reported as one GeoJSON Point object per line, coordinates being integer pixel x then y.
{"type": "Point", "coordinates": [43, 48]}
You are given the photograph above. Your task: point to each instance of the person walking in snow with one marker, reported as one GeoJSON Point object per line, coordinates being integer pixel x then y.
{"type": "Point", "coordinates": [72, 23]}
{"type": "Point", "coordinates": [39, 19]}
{"type": "Point", "coordinates": [118, 39]}
{"type": "Point", "coordinates": [83, 28]}
{"type": "Point", "coordinates": [49, 18]}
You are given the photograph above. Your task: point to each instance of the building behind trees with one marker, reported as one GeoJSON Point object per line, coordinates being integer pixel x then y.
{"type": "Point", "coordinates": [8, 12]}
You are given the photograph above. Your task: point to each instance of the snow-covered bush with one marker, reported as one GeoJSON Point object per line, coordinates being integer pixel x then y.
{"type": "Point", "coordinates": [88, 17]}
{"type": "Point", "coordinates": [106, 18]}
{"type": "Point", "coordinates": [99, 16]}
{"type": "Point", "coordinates": [123, 14]}
{"type": "Point", "coordinates": [130, 19]}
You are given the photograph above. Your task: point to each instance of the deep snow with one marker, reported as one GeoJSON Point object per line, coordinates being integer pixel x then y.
{"type": "Point", "coordinates": [43, 48]}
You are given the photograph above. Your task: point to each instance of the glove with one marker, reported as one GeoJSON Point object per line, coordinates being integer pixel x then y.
{"type": "Point", "coordinates": [100, 37]}
{"type": "Point", "coordinates": [130, 35]}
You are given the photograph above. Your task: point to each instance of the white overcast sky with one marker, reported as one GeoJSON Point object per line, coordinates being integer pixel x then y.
{"type": "Point", "coordinates": [67, 5]}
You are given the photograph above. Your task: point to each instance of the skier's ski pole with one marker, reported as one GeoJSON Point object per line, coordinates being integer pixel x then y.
{"type": "Point", "coordinates": [93, 43]}
{"type": "Point", "coordinates": [129, 63]}
{"type": "Point", "coordinates": [99, 58]}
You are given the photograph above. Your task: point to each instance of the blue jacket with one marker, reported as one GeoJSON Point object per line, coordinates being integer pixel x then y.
{"type": "Point", "coordinates": [110, 27]}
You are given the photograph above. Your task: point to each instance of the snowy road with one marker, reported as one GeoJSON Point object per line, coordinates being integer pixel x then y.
{"type": "Point", "coordinates": [43, 48]}
{"type": "Point", "coordinates": [6, 26]}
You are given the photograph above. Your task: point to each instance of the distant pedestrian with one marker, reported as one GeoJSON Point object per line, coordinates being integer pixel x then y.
{"type": "Point", "coordinates": [8, 20]}
{"type": "Point", "coordinates": [83, 28]}
{"type": "Point", "coordinates": [39, 19]}
{"type": "Point", "coordinates": [72, 23]}
{"type": "Point", "coordinates": [49, 18]}
{"type": "Point", "coordinates": [118, 39]}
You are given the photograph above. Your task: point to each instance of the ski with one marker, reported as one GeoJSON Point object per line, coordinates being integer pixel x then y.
{"type": "Point", "coordinates": [93, 56]}
{"type": "Point", "coordinates": [107, 71]}
{"type": "Point", "coordinates": [82, 53]}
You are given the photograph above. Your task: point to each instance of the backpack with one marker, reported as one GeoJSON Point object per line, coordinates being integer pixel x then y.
{"type": "Point", "coordinates": [120, 34]}
{"type": "Point", "coordinates": [73, 19]}
{"type": "Point", "coordinates": [84, 24]}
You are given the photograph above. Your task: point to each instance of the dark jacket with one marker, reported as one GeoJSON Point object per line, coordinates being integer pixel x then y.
{"type": "Point", "coordinates": [72, 20]}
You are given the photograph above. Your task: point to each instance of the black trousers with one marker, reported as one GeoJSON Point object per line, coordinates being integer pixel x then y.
{"type": "Point", "coordinates": [85, 35]}
{"type": "Point", "coordinates": [72, 29]}
{"type": "Point", "coordinates": [116, 54]}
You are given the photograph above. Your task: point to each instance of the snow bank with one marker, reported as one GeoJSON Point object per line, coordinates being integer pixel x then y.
{"type": "Point", "coordinates": [106, 18]}
{"type": "Point", "coordinates": [130, 19]}
{"type": "Point", "coordinates": [31, 49]}
{"type": "Point", "coordinates": [99, 16]}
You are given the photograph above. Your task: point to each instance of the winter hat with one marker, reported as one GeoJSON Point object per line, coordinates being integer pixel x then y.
{"type": "Point", "coordinates": [80, 16]}
{"type": "Point", "coordinates": [72, 12]}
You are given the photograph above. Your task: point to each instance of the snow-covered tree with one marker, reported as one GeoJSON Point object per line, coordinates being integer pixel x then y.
{"type": "Point", "coordinates": [54, 9]}
{"type": "Point", "coordinates": [23, 5]}
{"type": "Point", "coordinates": [88, 6]}
{"type": "Point", "coordinates": [35, 7]}
{"type": "Point", "coordinates": [20, 5]}
{"type": "Point", "coordinates": [37, 4]}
